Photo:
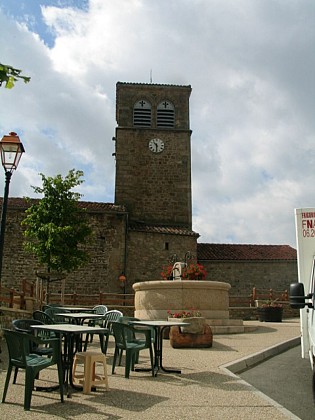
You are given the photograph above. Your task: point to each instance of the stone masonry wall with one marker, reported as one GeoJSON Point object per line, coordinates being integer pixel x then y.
{"type": "Point", "coordinates": [245, 275]}
{"type": "Point", "coordinates": [148, 254]}
{"type": "Point", "coordinates": [155, 187]}
{"type": "Point", "coordinates": [106, 250]}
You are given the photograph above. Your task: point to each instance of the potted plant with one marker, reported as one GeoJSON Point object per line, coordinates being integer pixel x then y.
{"type": "Point", "coordinates": [270, 311]}
{"type": "Point", "coordinates": [197, 334]}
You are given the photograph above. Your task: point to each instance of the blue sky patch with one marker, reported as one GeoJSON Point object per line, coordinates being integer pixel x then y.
{"type": "Point", "coordinates": [29, 13]}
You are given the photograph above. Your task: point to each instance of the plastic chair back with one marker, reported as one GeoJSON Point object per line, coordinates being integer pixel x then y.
{"type": "Point", "coordinates": [53, 311]}
{"type": "Point", "coordinates": [100, 309]}
{"type": "Point", "coordinates": [111, 316]}
{"type": "Point", "coordinates": [24, 325]}
{"type": "Point", "coordinates": [43, 317]}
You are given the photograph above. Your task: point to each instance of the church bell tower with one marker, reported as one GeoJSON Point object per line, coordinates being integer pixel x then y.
{"type": "Point", "coordinates": [153, 153]}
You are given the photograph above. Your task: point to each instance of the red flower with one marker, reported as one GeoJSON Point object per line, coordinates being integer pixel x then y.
{"type": "Point", "coordinates": [193, 271]}
{"type": "Point", "coordinates": [166, 274]}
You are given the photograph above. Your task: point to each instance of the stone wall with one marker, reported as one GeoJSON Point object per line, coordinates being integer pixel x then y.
{"type": "Point", "coordinates": [106, 250]}
{"type": "Point", "coordinates": [155, 188]}
{"type": "Point", "coordinates": [247, 313]}
{"type": "Point", "coordinates": [149, 252]}
{"type": "Point", "coordinates": [109, 257]}
{"type": "Point", "coordinates": [244, 275]}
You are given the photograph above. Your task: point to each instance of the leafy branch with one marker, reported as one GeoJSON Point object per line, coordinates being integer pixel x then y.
{"type": "Point", "coordinates": [9, 75]}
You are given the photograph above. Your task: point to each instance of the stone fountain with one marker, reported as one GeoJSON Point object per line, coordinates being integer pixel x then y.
{"type": "Point", "coordinates": [153, 300]}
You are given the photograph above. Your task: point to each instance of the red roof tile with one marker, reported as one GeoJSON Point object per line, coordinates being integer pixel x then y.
{"type": "Point", "coordinates": [245, 252]}
{"type": "Point", "coordinates": [172, 230]}
{"type": "Point", "coordinates": [22, 203]}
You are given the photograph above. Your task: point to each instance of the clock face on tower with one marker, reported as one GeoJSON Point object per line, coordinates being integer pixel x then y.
{"type": "Point", "coordinates": [156, 145]}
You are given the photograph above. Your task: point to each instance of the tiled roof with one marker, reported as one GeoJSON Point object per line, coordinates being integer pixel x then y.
{"type": "Point", "coordinates": [22, 203]}
{"type": "Point", "coordinates": [172, 230]}
{"type": "Point", "coordinates": [245, 252]}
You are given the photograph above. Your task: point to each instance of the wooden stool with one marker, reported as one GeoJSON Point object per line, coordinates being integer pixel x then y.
{"type": "Point", "coordinates": [89, 377]}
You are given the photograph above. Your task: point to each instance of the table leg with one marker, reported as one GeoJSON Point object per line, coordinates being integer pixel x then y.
{"type": "Point", "coordinates": [160, 352]}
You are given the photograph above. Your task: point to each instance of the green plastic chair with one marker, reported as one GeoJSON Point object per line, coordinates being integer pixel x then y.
{"type": "Point", "coordinates": [53, 311]}
{"type": "Point", "coordinates": [108, 318]}
{"type": "Point", "coordinates": [125, 340]}
{"type": "Point", "coordinates": [136, 337]}
{"type": "Point", "coordinates": [24, 325]}
{"type": "Point", "coordinates": [19, 345]}
{"type": "Point", "coordinates": [43, 317]}
{"type": "Point", "coordinates": [98, 310]}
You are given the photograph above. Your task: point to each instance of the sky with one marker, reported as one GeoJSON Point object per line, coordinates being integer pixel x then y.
{"type": "Point", "coordinates": [251, 66]}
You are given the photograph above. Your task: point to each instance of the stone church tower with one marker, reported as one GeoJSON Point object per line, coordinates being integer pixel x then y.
{"type": "Point", "coordinates": [153, 174]}
{"type": "Point", "coordinates": [153, 158]}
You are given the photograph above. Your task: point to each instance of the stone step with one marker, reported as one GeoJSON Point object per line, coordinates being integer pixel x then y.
{"type": "Point", "coordinates": [229, 326]}
{"type": "Point", "coordinates": [227, 329]}
{"type": "Point", "coordinates": [224, 321]}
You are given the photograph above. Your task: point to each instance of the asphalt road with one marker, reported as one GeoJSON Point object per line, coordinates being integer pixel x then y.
{"type": "Point", "coordinates": [287, 379]}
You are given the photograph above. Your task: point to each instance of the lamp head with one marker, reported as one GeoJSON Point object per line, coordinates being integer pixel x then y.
{"type": "Point", "coordinates": [122, 280]}
{"type": "Point", "coordinates": [11, 150]}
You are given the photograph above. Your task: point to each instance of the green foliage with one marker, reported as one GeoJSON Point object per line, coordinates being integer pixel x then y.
{"type": "Point", "coordinates": [9, 75]}
{"type": "Point", "coordinates": [56, 228]}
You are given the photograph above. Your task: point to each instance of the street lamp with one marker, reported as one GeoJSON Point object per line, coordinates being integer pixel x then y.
{"type": "Point", "coordinates": [11, 150]}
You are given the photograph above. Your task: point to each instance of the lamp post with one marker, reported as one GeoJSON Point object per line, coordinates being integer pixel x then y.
{"type": "Point", "coordinates": [11, 150]}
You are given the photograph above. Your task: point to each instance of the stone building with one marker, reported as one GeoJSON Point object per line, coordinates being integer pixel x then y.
{"type": "Point", "coordinates": [248, 266]}
{"type": "Point", "coordinates": [151, 218]}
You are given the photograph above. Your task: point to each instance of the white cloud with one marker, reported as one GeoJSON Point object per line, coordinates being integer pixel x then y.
{"type": "Point", "coordinates": [251, 67]}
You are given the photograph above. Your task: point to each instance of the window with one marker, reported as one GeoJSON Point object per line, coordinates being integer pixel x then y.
{"type": "Point", "coordinates": [142, 113]}
{"type": "Point", "coordinates": [165, 115]}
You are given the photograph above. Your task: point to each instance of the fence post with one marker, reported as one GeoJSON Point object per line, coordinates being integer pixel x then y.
{"type": "Point", "coordinates": [254, 294]}
{"type": "Point", "coordinates": [11, 298]}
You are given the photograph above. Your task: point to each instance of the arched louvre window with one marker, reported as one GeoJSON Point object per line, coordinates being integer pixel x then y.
{"type": "Point", "coordinates": [165, 115]}
{"type": "Point", "coordinates": [142, 113]}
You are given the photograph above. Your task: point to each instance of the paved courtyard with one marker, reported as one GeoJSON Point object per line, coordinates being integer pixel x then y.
{"type": "Point", "coordinates": [206, 388]}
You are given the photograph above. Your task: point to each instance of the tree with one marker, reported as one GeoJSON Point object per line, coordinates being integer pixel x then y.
{"type": "Point", "coordinates": [55, 227]}
{"type": "Point", "coordinates": [9, 75]}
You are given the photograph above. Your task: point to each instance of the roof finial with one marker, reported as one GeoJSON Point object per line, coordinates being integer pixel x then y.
{"type": "Point", "coordinates": [150, 75]}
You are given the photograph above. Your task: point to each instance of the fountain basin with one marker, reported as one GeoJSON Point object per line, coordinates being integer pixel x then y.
{"type": "Point", "coordinates": [154, 298]}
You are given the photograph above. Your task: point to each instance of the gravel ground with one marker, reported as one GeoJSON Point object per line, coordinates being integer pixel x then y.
{"type": "Point", "coordinates": [204, 390]}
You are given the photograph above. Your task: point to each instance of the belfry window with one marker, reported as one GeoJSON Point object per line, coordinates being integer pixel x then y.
{"type": "Point", "coordinates": [165, 115]}
{"type": "Point", "coordinates": [142, 113]}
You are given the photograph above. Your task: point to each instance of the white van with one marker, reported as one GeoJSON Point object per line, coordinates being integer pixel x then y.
{"type": "Point", "coordinates": [302, 293]}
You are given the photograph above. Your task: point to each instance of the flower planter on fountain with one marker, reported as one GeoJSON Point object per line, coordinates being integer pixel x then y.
{"type": "Point", "coordinates": [195, 335]}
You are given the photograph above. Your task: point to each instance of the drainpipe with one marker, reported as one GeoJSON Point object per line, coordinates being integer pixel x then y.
{"type": "Point", "coordinates": [125, 245]}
